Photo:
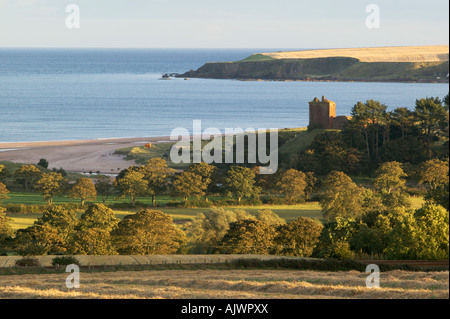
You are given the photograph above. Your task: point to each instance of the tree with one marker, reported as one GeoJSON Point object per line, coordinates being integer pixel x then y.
{"type": "Point", "coordinates": [390, 182]}
{"type": "Point", "coordinates": [50, 185]}
{"type": "Point", "coordinates": [27, 175]}
{"type": "Point", "coordinates": [434, 173]}
{"type": "Point", "coordinates": [299, 237]}
{"type": "Point", "coordinates": [60, 218]}
{"type": "Point", "coordinates": [372, 234]}
{"type": "Point", "coordinates": [292, 185]}
{"type": "Point", "coordinates": [104, 187]}
{"type": "Point", "coordinates": [311, 181]}
{"type": "Point", "coordinates": [248, 237]}
{"type": "Point", "coordinates": [188, 184]}
{"type": "Point", "coordinates": [208, 228]}
{"type": "Point", "coordinates": [49, 234]}
{"type": "Point", "coordinates": [3, 192]}
{"type": "Point", "coordinates": [432, 117]}
{"type": "Point", "coordinates": [269, 217]}
{"type": "Point", "coordinates": [404, 119]}
{"type": "Point", "coordinates": [241, 183]}
{"type": "Point", "coordinates": [3, 172]}
{"type": "Point", "coordinates": [83, 189]}
{"type": "Point", "coordinates": [329, 152]}
{"type": "Point", "coordinates": [98, 216]}
{"type": "Point", "coordinates": [390, 177]}
{"type": "Point", "coordinates": [5, 227]}
{"type": "Point", "coordinates": [420, 234]}
{"type": "Point", "coordinates": [334, 241]}
{"type": "Point", "coordinates": [92, 236]}
{"type": "Point", "coordinates": [440, 195]}
{"type": "Point", "coordinates": [43, 163]}
{"type": "Point", "coordinates": [341, 197]}
{"type": "Point", "coordinates": [433, 223]}
{"type": "Point", "coordinates": [156, 173]}
{"type": "Point", "coordinates": [133, 184]}
{"type": "Point", "coordinates": [369, 119]}
{"type": "Point", "coordinates": [40, 240]}
{"type": "Point", "coordinates": [206, 171]}
{"type": "Point", "coordinates": [91, 241]}
{"type": "Point", "coordinates": [148, 232]}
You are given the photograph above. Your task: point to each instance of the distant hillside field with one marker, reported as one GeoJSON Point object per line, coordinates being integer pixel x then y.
{"type": "Point", "coordinates": [434, 53]}
{"type": "Point", "coordinates": [384, 64]}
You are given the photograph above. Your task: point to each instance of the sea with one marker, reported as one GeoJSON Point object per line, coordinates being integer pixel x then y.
{"type": "Point", "coordinates": [77, 94]}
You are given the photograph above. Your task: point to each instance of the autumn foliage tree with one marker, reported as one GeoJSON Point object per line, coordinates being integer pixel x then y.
{"type": "Point", "coordinates": [148, 232]}
{"type": "Point", "coordinates": [433, 173]}
{"type": "Point", "coordinates": [49, 234]}
{"type": "Point", "coordinates": [5, 227]}
{"type": "Point", "coordinates": [208, 228]}
{"type": "Point", "coordinates": [92, 241]}
{"type": "Point", "coordinates": [341, 197]}
{"type": "Point", "coordinates": [299, 237]}
{"type": "Point", "coordinates": [83, 189]}
{"type": "Point", "coordinates": [248, 237]}
{"type": "Point", "coordinates": [50, 185]}
{"type": "Point", "coordinates": [98, 216]}
{"type": "Point", "coordinates": [206, 171]}
{"type": "Point", "coordinates": [92, 236]}
{"type": "Point", "coordinates": [3, 192]}
{"type": "Point", "coordinates": [156, 173]}
{"type": "Point", "coordinates": [40, 239]}
{"type": "Point", "coordinates": [132, 185]}
{"type": "Point", "coordinates": [269, 217]}
{"type": "Point", "coordinates": [292, 185]}
{"type": "Point", "coordinates": [188, 184]}
{"type": "Point", "coordinates": [390, 182]}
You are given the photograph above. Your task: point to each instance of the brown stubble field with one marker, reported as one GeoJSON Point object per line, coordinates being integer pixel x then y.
{"type": "Point", "coordinates": [225, 284]}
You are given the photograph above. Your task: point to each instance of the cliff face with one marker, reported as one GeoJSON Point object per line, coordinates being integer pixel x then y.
{"type": "Point", "coordinates": [322, 69]}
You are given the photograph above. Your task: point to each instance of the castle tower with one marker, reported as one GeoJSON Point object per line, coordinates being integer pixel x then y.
{"type": "Point", "coordinates": [321, 113]}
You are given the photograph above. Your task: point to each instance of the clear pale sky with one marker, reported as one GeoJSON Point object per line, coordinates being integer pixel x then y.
{"type": "Point", "coordinates": [223, 24]}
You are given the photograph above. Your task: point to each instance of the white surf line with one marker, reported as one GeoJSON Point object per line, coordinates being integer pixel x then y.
{"type": "Point", "coordinates": [13, 149]}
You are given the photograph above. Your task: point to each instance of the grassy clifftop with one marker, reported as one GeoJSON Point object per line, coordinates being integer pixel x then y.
{"type": "Point", "coordinates": [432, 53]}
{"type": "Point", "coordinates": [336, 65]}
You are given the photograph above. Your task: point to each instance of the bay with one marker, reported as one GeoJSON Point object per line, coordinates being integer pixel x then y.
{"type": "Point", "coordinates": [73, 94]}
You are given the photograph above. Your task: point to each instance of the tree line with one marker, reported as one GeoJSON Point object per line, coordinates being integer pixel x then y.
{"type": "Point", "coordinates": [356, 220]}
{"type": "Point", "coordinates": [374, 135]}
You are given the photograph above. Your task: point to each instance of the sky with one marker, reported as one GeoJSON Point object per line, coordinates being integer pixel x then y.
{"type": "Point", "coordinates": [222, 24]}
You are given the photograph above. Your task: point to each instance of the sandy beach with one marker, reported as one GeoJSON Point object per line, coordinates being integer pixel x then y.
{"type": "Point", "coordinates": [76, 156]}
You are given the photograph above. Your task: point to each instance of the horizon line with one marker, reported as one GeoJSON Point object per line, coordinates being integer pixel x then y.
{"type": "Point", "coordinates": [215, 48]}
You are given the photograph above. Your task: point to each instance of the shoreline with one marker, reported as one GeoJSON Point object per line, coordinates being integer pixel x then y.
{"type": "Point", "coordinates": [84, 156]}
{"type": "Point", "coordinates": [250, 79]}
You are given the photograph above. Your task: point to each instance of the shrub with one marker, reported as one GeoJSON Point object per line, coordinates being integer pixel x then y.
{"type": "Point", "coordinates": [65, 260]}
{"type": "Point", "coordinates": [28, 262]}
{"type": "Point", "coordinates": [251, 202]}
{"type": "Point", "coordinates": [195, 203]}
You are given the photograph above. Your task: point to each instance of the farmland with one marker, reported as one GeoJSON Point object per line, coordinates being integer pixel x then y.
{"type": "Point", "coordinates": [434, 53]}
{"type": "Point", "coordinates": [287, 212]}
{"type": "Point", "coordinates": [235, 284]}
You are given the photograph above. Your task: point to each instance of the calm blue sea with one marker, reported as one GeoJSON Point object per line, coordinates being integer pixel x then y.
{"type": "Point", "coordinates": [71, 94]}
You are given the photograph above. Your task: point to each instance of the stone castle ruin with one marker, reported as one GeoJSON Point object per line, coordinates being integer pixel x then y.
{"type": "Point", "coordinates": [322, 114]}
